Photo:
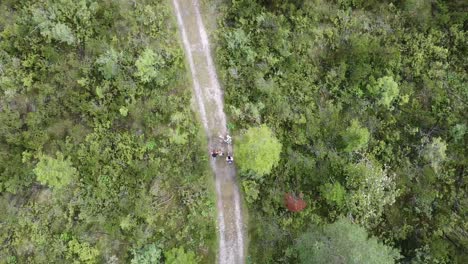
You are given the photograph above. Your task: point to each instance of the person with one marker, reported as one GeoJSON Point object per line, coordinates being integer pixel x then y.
{"type": "Point", "coordinates": [229, 159]}
{"type": "Point", "coordinates": [214, 154]}
{"type": "Point", "coordinates": [220, 153]}
{"type": "Point", "coordinates": [226, 139]}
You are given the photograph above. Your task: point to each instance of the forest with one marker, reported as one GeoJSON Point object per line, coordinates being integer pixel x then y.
{"type": "Point", "coordinates": [356, 107]}
{"type": "Point", "coordinates": [94, 101]}
{"type": "Point", "coordinates": [367, 101]}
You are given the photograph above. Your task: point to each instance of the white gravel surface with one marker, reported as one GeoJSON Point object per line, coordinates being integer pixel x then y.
{"type": "Point", "coordinates": [209, 97]}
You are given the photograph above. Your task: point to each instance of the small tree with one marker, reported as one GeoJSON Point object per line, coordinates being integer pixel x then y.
{"type": "Point", "coordinates": [342, 242]}
{"type": "Point", "coordinates": [258, 150]}
{"type": "Point", "coordinates": [149, 66]}
{"type": "Point", "coordinates": [251, 190]}
{"type": "Point", "coordinates": [82, 252]}
{"type": "Point", "coordinates": [150, 254]}
{"type": "Point", "coordinates": [386, 89]}
{"type": "Point", "coordinates": [355, 137]}
{"type": "Point", "coordinates": [334, 194]}
{"type": "Point", "coordinates": [370, 190]}
{"type": "Point", "coordinates": [434, 153]}
{"type": "Point", "coordinates": [63, 33]}
{"type": "Point", "coordinates": [56, 172]}
{"type": "Point", "coordinates": [108, 64]}
{"type": "Point", "coordinates": [179, 256]}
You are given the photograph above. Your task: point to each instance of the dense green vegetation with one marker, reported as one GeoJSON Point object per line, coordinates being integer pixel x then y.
{"type": "Point", "coordinates": [359, 106]}
{"type": "Point", "coordinates": [342, 242]}
{"type": "Point", "coordinates": [99, 151]}
{"type": "Point", "coordinates": [368, 99]}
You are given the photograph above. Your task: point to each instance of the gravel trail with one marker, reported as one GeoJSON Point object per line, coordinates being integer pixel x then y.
{"type": "Point", "coordinates": [209, 97]}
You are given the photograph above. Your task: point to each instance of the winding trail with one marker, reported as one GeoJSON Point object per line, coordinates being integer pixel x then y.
{"type": "Point", "coordinates": [209, 98]}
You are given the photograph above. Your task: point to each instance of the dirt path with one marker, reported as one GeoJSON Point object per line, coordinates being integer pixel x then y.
{"type": "Point", "coordinates": [209, 97]}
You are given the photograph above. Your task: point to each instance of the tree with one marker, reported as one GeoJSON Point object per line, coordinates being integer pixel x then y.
{"type": "Point", "coordinates": [62, 33]}
{"type": "Point", "coordinates": [370, 189]}
{"type": "Point", "coordinates": [342, 242]}
{"type": "Point", "coordinates": [434, 153]}
{"type": "Point", "coordinates": [150, 254]}
{"type": "Point", "coordinates": [179, 256]}
{"type": "Point", "coordinates": [108, 64]}
{"type": "Point", "coordinates": [386, 89]}
{"type": "Point", "coordinates": [82, 251]}
{"type": "Point", "coordinates": [55, 172]}
{"type": "Point", "coordinates": [148, 66]}
{"type": "Point", "coordinates": [258, 150]}
{"type": "Point", "coordinates": [355, 137]}
{"type": "Point", "coordinates": [458, 132]}
{"type": "Point", "coordinates": [250, 190]}
{"type": "Point", "coordinates": [334, 194]}
{"type": "Point", "coordinates": [128, 223]}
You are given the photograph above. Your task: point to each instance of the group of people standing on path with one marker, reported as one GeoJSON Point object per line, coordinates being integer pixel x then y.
{"type": "Point", "coordinates": [217, 152]}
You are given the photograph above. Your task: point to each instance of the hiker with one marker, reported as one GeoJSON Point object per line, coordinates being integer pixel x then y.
{"type": "Point", "coordinates": [229, 159]}
{"type": "Point", "coordinates": [220, 153]}
{"type": "Point", "coordinates": [214, 154]}
{"type": "Point", "coordinates": [226, 139]}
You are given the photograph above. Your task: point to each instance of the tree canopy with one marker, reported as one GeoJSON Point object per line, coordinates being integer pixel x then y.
{"type": "Point", "coordinates": [358, 105]}
{"type": "Point", "coordinates": [258, 150]}
{"type": "Point", "coordinates": [55, 172]}
{"type": "Point", "coordinates": [368, 100]}
{"type": "Point", "coordinates": [342, 242]}
{"type": "Point", "coordinates": [90, 93]}
{"type": "Point", "coordinates": [180, 256]}
{"type": "Point", "coordinates": [386, 89]}
{"type": "Point", "coordinates": [355, 137]}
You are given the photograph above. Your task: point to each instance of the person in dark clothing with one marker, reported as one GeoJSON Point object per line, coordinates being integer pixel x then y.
{"type": "Point", "coordinates": [229, 159]}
